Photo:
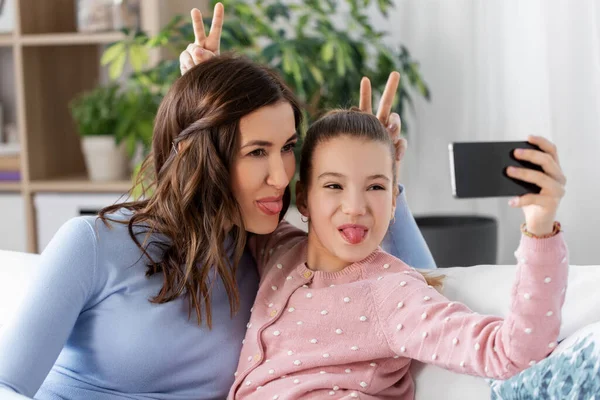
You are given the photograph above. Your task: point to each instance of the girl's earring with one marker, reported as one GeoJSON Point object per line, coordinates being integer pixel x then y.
{"type": "Point", "coordinates": [393, 219]}
{"type": "Point", "coordinates": [304, 219]}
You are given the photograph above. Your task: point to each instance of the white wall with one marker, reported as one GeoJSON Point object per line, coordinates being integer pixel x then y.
{"type": "Point", "coordinates": [502, 70]}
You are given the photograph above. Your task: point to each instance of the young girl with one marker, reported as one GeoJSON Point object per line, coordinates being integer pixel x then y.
{"type": "Point", "coordinates": [337, 317]}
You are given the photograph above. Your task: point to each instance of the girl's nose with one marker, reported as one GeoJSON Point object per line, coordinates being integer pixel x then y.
{"type": "Point", "coordinates": [354, 203]}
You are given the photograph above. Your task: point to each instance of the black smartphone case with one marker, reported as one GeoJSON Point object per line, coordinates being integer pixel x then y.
{"type": "Point", "coordinates": [478, 169]}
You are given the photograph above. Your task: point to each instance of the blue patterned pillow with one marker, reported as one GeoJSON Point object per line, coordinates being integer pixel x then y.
{"type": "Point", "coordinates": [572, 371]}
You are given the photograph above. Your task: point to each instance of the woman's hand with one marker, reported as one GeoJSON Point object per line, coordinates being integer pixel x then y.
{"type": "Point", "coordinates": [203, 47]}
{"type": "Point", "coordinates": [539, 209]}
{"type": "Point", "coordinates": [390, 120]}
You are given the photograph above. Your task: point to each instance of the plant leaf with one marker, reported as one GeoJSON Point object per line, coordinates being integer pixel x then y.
{"type": "Point", "coordinates": [301, 25]}
{"type": "Point", "coordinates": [327, 51]}
{"type": "Point", "coordinates": [138, 57]}
{"type": "Point", "coordinates": [287, 61]}
{"type": "Point", "coordinates": [340, 61]}
{"type": "Point", "coordinates": [116, 68]}
{"type": "Point", "coordinates": [316, 73]}
{"type": "Point", "coordinates": [112, 52]}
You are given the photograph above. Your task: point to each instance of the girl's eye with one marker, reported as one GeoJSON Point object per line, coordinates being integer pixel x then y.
{"type": "Point", "coordinates": [377, 187]}
{"type": "Point", "coordinates": [333, 186]}
{"type": "Point", "coordinates": [289, 147]}
{"type": "Point", "coordinates": [258, 153]}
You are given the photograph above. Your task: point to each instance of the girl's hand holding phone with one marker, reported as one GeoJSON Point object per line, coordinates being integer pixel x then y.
{"type": "Point", "coordinates": [539, 209]}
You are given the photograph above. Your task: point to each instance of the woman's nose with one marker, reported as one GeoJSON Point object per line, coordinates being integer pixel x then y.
{"type": "Point", "coordinates": [277, 177]}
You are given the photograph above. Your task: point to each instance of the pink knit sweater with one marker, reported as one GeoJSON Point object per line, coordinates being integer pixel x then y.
{"type": "Point", "coordinates": [353, 333]}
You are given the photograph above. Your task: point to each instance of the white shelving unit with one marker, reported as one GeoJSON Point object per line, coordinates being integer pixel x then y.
{"type": "Point", "coordinates": [51, 63]}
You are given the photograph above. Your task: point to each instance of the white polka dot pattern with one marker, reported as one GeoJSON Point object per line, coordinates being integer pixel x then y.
{"type": "Point", "coordinates": [339, 320]}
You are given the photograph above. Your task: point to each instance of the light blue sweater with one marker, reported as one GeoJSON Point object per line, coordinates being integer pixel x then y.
{"type": "Point", "coordinates": [88, 332]}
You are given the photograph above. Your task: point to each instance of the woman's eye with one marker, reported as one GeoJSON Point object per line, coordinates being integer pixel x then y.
{"type": "Point", "coordinates": [258, 153]}
{"type": "Point", "coordinates": [377, 187]}
{"type": "Point", "coordinates": [333, 186]}
{"type": "Point", "coordinates": [289, 147]}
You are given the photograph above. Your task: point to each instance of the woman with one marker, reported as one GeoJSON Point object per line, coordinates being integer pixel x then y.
{"type": "Point", "coordinates": [151, 300]}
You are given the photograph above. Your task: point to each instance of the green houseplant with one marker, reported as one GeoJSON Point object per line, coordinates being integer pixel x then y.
{"type": "Point", "coordinates": [94, 112]}
{"type": "Point", "coordinates": [96, 117]}
{"type": "Point", "coordinates": [322, 62]}
{"type": "Point", "coordinates": [137, 107]}
{"type": "Point", "coordinates": [115, 123]}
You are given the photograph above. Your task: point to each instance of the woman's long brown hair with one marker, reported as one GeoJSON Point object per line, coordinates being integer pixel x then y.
{"type": "Point", "coordinates": [185, 180]}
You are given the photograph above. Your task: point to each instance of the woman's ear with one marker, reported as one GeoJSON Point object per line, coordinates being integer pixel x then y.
{"type": "Point", "coordinates": [301, 201]}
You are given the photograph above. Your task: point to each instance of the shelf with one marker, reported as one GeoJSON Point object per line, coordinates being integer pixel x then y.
{"type": "Point", "coordinates": [10, 187]}
{"type": "Point", "coordinates": [65, 39]}
{"type": "Point", "coordinates": [45, 62]}
{"type": "Point", "coordinates": [79, 185]}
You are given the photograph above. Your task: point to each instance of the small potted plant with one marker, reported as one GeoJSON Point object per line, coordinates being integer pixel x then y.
{"type": "Point", "coordinates": [138, 106]}
{"type": "Point", "coordinates": [96, 115]}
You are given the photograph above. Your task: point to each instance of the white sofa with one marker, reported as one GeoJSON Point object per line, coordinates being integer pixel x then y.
{"type": "Point", "coordinates": [485, 289]}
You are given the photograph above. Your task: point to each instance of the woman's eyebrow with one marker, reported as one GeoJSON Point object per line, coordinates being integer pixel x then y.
{"type": "Point", "coordinates": [265, 143]}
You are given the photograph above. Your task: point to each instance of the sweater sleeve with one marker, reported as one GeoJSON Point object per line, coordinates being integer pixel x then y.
{"type": "Point", "coordinates": [269, 247]}
{"type": "Point", "coordinates": [32, 340]}
{"type": "Point", "coordinates": [421, 324]}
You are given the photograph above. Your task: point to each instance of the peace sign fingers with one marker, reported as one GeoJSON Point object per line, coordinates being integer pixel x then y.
{"type": "Point", "coordinates": [365, 96]}
{"type": "Point", "coordinates": [203, 47]}
{"type": "Point", "coordinates": [198, 24]}
{"type": "Point", "coordinates": [387, 99]}
{"type": "Point", "coordinates": [213, 42]}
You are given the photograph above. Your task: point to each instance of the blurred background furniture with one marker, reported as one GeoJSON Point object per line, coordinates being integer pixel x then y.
{"type": "Point", "coordinates": [45, 62]}
{"type": "Point", "coordinates": [460, 240]}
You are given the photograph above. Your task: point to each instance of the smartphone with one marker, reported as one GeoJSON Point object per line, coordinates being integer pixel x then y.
{"type": "Point", "coordinates": [478, 169]}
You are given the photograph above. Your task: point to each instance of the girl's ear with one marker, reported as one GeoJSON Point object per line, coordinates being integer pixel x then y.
{"type": "Point", "coordinates": [301, 201]}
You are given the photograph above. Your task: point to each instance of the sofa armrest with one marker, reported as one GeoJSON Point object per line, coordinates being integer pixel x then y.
{"type": "Point", "coordinates": [5, 395]}
{"type": "Point", "coordinates": [15, 271]}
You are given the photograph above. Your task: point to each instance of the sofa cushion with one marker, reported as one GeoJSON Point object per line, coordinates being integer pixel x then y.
{"type": "Point", "coordinates": [486, 290]}
{"type": "Point", "coordinates": [571, 372]}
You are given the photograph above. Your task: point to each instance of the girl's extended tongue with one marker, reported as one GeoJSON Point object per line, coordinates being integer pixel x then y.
{"type": "Point", "coordinates": [353, 235]}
